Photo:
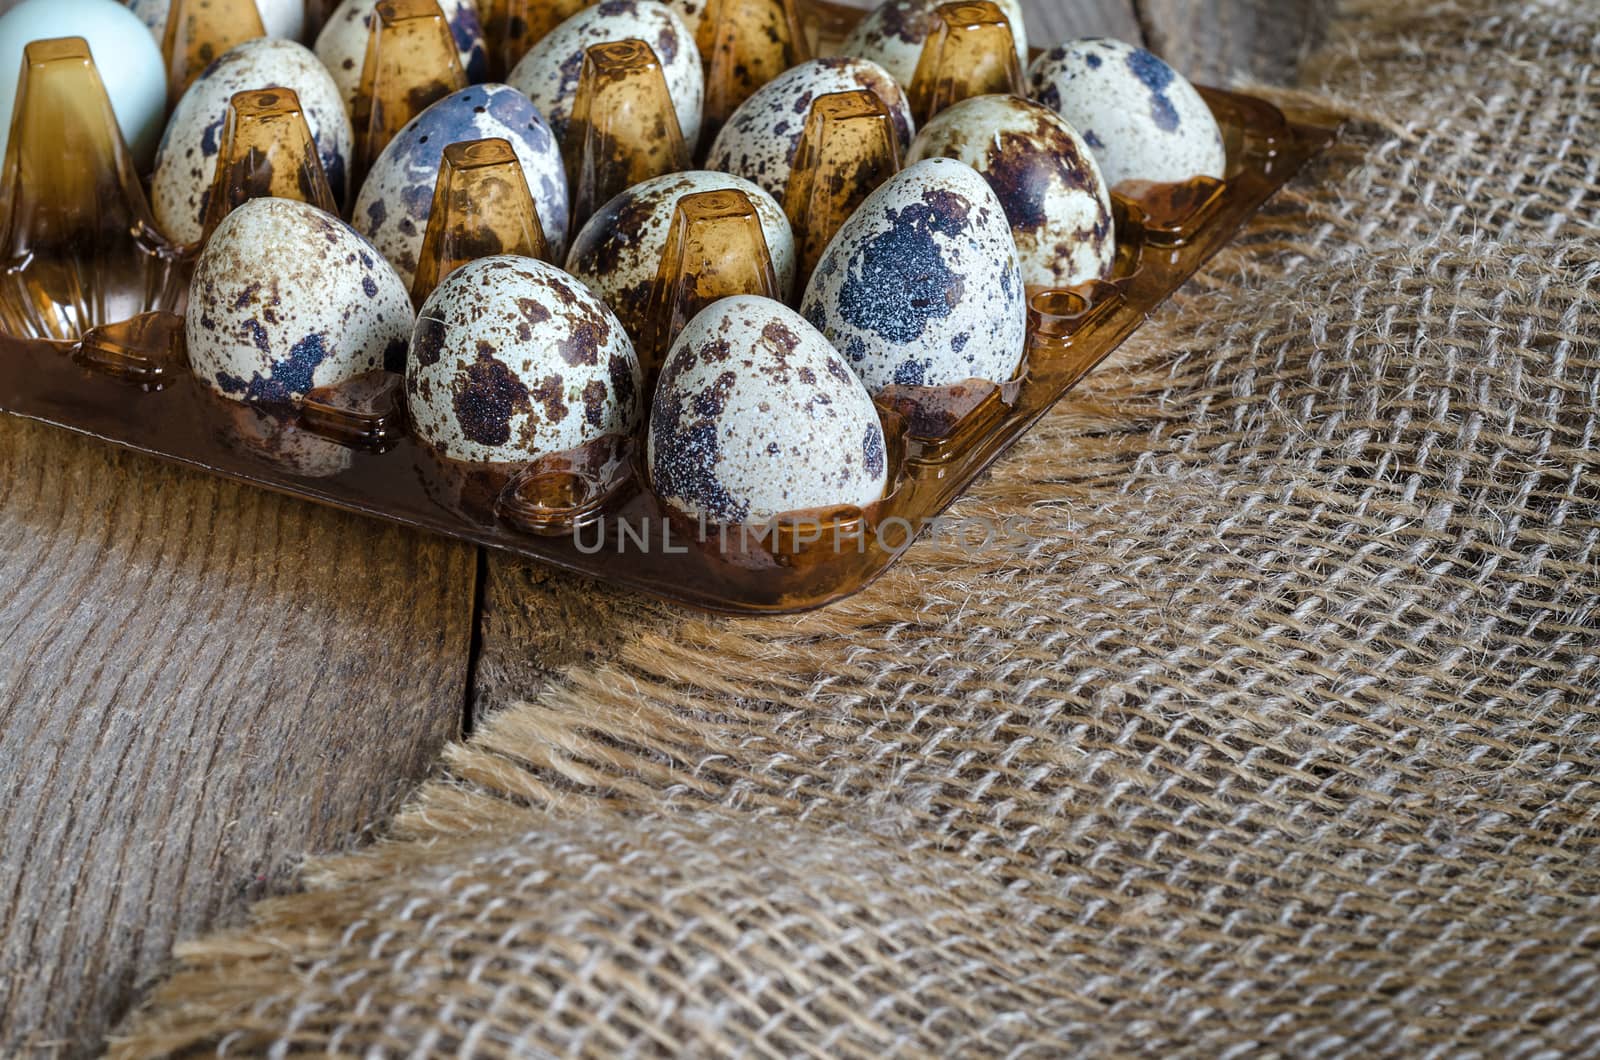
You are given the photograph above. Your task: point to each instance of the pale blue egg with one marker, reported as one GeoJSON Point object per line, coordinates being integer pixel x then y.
{"type": "Point", "coordinates": [127, 58]}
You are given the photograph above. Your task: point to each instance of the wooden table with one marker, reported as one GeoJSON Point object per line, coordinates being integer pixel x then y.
{"type": "Point", "coordinates": [201, 683]}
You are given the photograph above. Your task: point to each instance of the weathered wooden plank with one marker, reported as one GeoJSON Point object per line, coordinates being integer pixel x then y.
{"type": "Point", "coordinates": [1050, 21]}
{"type": "Point", "coordinates": [1219, 41]}
{"type": "Point", "coordinates": [199, 683]}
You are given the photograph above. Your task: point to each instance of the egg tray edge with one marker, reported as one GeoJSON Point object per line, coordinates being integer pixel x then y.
{"type": "Point", "coordinates": [649, 550]}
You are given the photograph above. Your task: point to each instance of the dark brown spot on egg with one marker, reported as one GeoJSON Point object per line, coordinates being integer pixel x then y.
{"type": "Point", "coordinates": [486, 395]}
{"type": "Point", "coordinates": [258, 334]}
{"type": "Point", "coordinates": [711, 402]}
{"type": "Point", "coordinates": [594, 403]}
{"type": "Point", "coordinates": [532, 311]}
{"type": "Point", "coordinates": [427, 340]}
{"type": "Point", "coordinates": [782, 338]}
{"type": "Point", "coordinates": [906, 20]}
{"type": "Point", "coordinates": [621, 370]}
{"type": "Point", "coordinates": [715, 351]}
{"type": "Point", "coordinates": [550, 392]}
{"type": "Point", "coordinates": [582, 344]}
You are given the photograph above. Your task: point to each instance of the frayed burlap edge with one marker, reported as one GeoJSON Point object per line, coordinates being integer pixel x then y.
{"type": "Point", "coordinates": [1273, 728]}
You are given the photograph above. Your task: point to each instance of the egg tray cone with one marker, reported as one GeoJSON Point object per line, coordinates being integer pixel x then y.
{"type": "Point", "coordinates": [591, 511]}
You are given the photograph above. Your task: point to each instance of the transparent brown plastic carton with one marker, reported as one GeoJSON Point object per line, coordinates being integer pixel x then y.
{"type": "Point", "coordinates": [411, 63]}
{"type": "Point", "coordinates": [481, 207]}
{"type": "Point", "coordinates": [969, 53]}
{"type": "Point", "coordinates": [93, 339]}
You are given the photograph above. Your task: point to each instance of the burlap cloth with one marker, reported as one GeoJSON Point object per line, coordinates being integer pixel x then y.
{"type": "Point", "coordinates": [1271, 727]}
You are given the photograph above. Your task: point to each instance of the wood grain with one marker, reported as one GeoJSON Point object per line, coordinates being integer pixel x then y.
{"type": "Point", "coordinates": [1052, 21]}
{"type": "Point", "coordinates": [199, 684]}
{"type": "Point", "coordinates": [1221, 42]}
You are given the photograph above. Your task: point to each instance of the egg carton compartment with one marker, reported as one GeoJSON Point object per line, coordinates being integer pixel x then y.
{"type": "Point", "coordinates": [104, 354]}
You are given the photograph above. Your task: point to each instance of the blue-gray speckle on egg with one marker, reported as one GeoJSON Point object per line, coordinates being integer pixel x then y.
{"type": "Point", "coordinates": [397, 198]}
{"type": "Point", "coordinates": [1143, 120]}
{"type": "Point", "coordinates": [922, 285]}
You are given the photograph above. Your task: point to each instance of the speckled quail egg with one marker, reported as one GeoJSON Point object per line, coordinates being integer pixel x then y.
{"type": "Point", "coordinates": [757, 415]}
{"type": "Point", "coordinates": [396, 199]}
{"type": "Point", "coordinates": [342, 44]}
{"type": "Point", "coordinates": [762, 134]}
{"type": "Point", "coordinates": [186, 161]}
{"type": "Point", "coordinates": [286, 298]}
{"type": "Point", "coordinates": [893, 33]}
{"type": "Point", "coordinates": [280, 18]}
{"type": "Point", "coordinates": [549, 73]}
{"type": "Point", "coordinates": [618, 251]}
{"type": "Point", "coordinates": [512, 359]}
{"type": "Point", "coordinates": [921, 286]}
{"type": "Point", "coordinates": [1045, 177]}
{"type": "Point", "coordinates": [1143, 120]}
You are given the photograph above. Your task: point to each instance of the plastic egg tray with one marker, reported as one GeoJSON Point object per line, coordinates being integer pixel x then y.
{"type": "Point", "coordinates": [590, 510]}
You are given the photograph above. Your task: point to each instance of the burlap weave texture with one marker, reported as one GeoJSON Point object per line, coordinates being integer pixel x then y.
{"type": "Point", "coordinates": [1269, 726]}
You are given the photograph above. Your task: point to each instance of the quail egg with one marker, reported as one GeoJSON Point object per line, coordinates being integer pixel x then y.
{"type": "Point", "coordinates": [186, 161]}
{"type": "Point", "coordinates": [619, 250]}
{"type": "Point", "coordinates": [1045, 177]}
{"type": "Point", "coordinates": [549, 73]}
{"type": "Point", "coordinates": [759, 141]}
{"type": "Point", "coordinates": [1142, 119]}
{"type": "Point", "coordinates": [921, 285]}
{"type": "Point", "coordinates": [396, 199]}
{"type": "Point", "coordinates": [342, 44]}
{"type": "Point", "coordinates": [280, 18]}
{"type": "Point", "coordinates": [512, 359]}
{"type": "Point", "coordinates": [286, 298]}
{"type": "Point", "coordinates": [757, 415]}
{"type": "Point", "coordinates": [892, 35]}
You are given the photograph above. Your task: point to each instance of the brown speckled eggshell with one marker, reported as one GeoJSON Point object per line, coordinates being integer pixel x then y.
{"type": "Point", "coordinates": [1045, 177]}
{"type": "Point", "coordinates": [1143, 120]}
{"type": "Point", "coordinates": [549, 73]}
{"type": "Point", "coordinates": [186, 161]}
{"type": "Point", "coordinates": [286, 298]}
{"type": "Point", "coordinates": [760, 139]}
{"type": "Point", "coordinates": [512, 359]}
{"type": "Point", "coordinates": [756, 415]}
{"type": "Point", "coordinates": [618, 253]}
{"type": "Point", "coordinates": [893, 33]}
